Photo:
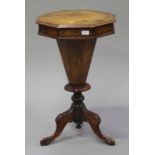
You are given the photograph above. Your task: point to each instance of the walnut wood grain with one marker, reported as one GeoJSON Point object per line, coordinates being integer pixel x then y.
{"type": "Point", "coordinates": [77, 113]}
{"type": "Point", "coordinates": [76, 32]}
{"type": "Point", "coordinates": [76, 56]}
{"type": "Point", "coordinates": [76, 18]}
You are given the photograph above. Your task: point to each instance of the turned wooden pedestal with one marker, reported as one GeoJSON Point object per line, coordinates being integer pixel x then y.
{"type": "Point", "coordinates": [76, 32]}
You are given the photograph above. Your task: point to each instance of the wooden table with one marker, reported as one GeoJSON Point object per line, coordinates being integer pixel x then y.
{"type": "Point", "coordinates": [76, 32]}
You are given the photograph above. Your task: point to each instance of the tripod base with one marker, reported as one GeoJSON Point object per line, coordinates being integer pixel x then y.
{"type": "Point", "coordinates": [77, 114]}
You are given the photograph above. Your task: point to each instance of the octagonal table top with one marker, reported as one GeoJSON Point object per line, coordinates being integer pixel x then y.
{"type": "Point", "coordinates": [76, 19]}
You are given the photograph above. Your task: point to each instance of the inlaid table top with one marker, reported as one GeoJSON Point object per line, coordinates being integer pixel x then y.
{"type": "Point", "coordinates": [76, 19]}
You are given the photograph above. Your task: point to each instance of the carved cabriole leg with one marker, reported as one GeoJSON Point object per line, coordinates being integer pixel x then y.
{"type": "Point", "coordinates": [77, 113]}
{"type": "Point", "coordinates": [94, 121]}
{"type": "Point", "coordinates": [82, 114]}
{"type": "Point", "coordinates": [61, 121]}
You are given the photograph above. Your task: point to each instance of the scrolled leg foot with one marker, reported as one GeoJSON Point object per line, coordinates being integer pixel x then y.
{"type": "Point", "coordinates": [61, 121]}
{"type": "Point", "coordinates": [94, 121]}
{"type": "Point", "coordinates": [46, 141]}
{"type": "Point", "coordinates": [109, 141]}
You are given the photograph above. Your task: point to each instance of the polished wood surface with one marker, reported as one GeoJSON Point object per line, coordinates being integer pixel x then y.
{"type": "Point", "coordinates": [76, 32]}
{"type": "Point", "coordinates": [78, 113]}
{"type": "Point", "coordinates": [76, 18]}
{"type": "Point", "coordinates": [76, 56]}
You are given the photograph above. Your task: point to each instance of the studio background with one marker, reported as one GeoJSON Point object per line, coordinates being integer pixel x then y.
{"type": "Point", "coordinates": [45, 80]}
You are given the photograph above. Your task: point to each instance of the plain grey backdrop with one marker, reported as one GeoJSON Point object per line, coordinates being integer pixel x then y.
{"type": "Point", "coordinates": [45, 80]}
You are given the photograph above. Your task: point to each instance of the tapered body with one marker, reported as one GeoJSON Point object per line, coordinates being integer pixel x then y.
{"type": "Point", "coordinates": [76, 56]}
